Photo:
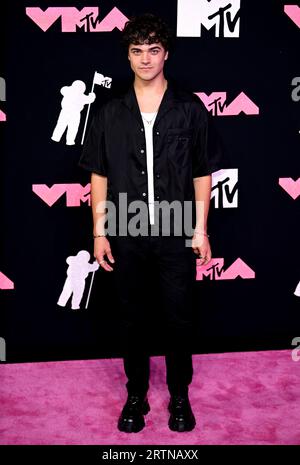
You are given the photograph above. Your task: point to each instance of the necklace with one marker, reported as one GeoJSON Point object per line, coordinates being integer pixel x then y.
{"type": "Point", "coordinates": [147, 121]}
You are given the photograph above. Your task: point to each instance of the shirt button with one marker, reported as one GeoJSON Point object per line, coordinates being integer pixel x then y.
{"type": "Point", "coordinates": [144, 194]}
{"type": "Point", "coordinates": [157, 133]}
{"type": "Point", "coordinates": [142, 129]}
{"type": "Point", "coordinates": [157, 197]}
{"type": "Point", "coordinates": [143, 172]}
{"type": "Point", "coordinates": [142, 150]}
{"type": "Point", "coordinates": [158, 175]}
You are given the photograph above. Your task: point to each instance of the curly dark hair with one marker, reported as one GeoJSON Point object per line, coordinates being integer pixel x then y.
{"type": "Point", "coordinates": [147, 28]}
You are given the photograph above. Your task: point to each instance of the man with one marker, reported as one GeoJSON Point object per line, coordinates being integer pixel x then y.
{"type": "Point", "coordinates": [154, 144]}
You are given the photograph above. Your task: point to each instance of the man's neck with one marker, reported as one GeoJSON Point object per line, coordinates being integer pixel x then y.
{"type": "Point", "coordinates": [153, 87]}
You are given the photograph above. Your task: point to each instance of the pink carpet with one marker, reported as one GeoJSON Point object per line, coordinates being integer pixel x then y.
{"type": "Point", "coordinates": [237, 398]}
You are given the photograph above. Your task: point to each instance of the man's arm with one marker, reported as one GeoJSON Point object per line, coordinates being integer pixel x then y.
{"type": "Point", "coordinates": [200, 242]}
{"type": "Point", "coordinates": [98, 202]}
{"type": "Point", "coordinates": [202, 187]}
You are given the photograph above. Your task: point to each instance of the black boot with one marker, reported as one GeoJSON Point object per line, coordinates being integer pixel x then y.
{"type": "Point", "coordinates": [131, 419]}
{"type": "Point", "coordinates": [182, 417]}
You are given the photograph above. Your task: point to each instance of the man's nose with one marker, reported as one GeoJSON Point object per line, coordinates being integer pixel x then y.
{"type": "Point", "coordinates": [145, 57]}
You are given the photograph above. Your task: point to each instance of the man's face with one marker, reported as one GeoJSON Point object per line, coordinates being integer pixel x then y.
{"type": "Point", "coordinates": [147, 61]}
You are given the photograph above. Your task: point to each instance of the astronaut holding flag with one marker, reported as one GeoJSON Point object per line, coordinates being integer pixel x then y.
{"type": "Point", "coordinates": [73, 101]}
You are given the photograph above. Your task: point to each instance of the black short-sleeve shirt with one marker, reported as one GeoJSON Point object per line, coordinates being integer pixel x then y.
{"type": "Point", "coordinates": [186, 145]}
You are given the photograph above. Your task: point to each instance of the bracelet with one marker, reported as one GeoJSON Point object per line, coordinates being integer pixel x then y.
{"type": "Point", "coordinates": [200, 232]}
{"type": "Point", "coordinates": [99, 235]}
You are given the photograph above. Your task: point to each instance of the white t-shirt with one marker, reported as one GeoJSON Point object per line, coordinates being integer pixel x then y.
{"type": "Point", "coordinates": [149, 152]}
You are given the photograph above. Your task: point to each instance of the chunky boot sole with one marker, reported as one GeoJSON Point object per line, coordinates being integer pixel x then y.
{"type": "Point", "coordinates": [134, 423]}
{"type": "Point", "coordinates": [181, 424]}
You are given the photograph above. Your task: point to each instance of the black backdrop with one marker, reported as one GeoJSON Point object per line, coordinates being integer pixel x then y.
{"type": "Point", "coordinates": [260, 226]}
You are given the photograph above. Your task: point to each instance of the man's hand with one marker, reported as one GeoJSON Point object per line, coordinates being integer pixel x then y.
{"type": "Point", "coordinates": [201, 246]}
{"type": "Point", "coordinates": [101, 248]}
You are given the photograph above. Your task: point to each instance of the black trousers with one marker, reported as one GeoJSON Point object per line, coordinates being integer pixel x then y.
{"type": "Point", "coordinates": [175, 267]}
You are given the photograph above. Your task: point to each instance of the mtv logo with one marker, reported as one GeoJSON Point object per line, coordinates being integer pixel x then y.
{"type": "Point", "coordinates": [215, 270]}
{"type": "Point", "coordinates": [221, 15]}
{"type": "Point", "coordinates": [74, 193]}
{"type": "Point", "coordinates": [224, 188]}
{"type": "Point", "coordinates": [86, 19]}
{"type": "Point", "coordinates": [101, 80]}
{"type": "Point", "coordinates": [218, 105]}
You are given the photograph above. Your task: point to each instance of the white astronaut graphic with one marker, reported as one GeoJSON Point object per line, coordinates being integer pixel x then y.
{"type": "Point", "coordinates": [297, 290]}
{"type": "Point", "coordinates": [72, 103]}
{"type": "Point", "coordinates": [79, 268]}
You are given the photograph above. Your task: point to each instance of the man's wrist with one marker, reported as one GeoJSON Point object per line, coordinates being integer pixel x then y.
{"type": "Point", "coordinates": [101, 234]}
{"type": "Point", "coordinates": [201, 230]}
{"type": "Point", "coordinates": [201, 233]}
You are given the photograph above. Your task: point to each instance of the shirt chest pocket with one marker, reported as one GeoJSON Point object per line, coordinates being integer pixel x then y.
{"type": "Point", "coordinates": [178, 145]}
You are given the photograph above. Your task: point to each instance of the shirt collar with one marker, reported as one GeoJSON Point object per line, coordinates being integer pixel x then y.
{"type": "Point", "coordinates": [168, 101]}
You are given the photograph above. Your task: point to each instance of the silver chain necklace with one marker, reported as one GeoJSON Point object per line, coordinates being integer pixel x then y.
{"type": "Point", "coordinates": [147, 121]}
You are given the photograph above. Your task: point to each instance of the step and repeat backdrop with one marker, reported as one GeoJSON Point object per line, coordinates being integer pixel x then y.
{"type": "Point", "coordinates": [61, 61]}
